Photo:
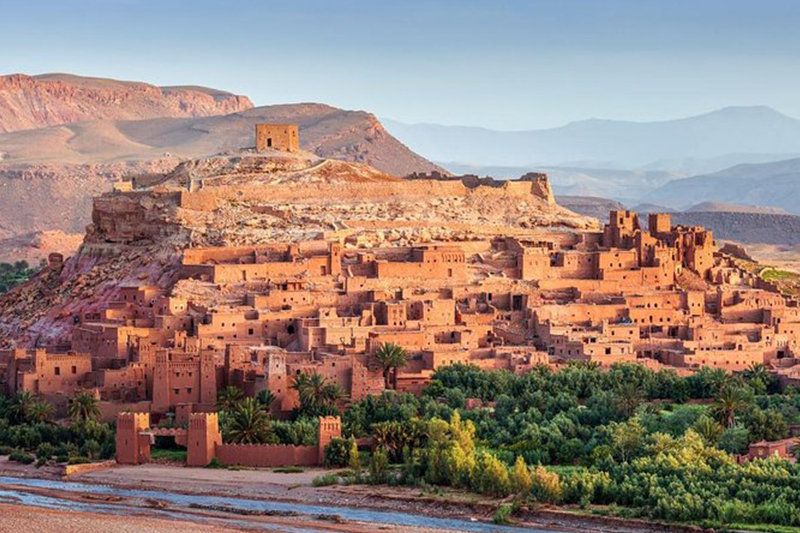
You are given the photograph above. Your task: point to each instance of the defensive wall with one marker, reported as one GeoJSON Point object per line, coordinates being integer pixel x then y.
{"type": "Point", "coordinates": [203, 441]}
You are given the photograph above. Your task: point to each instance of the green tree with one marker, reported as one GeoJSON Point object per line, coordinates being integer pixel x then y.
{"type": "Point", "coordinates": [390, 357]}
{"type": "Point", "coordinates": [83, 407]}
{"type": "Point", "coordinates": [40, 411]}
{"type": "Point", "coordinates": [20, 409]}
{"type": "Point", "coordinates": [318, 396]}
{"type": "Point", "coordinates": [627, 439]}
{"type": "Point", "coordinates": [248, 423]}
{"type": "Point", "coordinates": [266, 398]}
{"type": "Point", "coordinates": [353, 458]}
{"type": "Point", "coordinates": [521, 481]}
{"type": "Point", "coordinates": [708, 428]}
{"type": "Point", "coordinates": [228, 398]}
{"type": "Point", "coordinates": [546, 485]}
{"type": "Point", "coordinates": [729, 401]}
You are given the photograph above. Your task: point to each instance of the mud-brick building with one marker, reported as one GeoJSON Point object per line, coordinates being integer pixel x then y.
{"type": "Point", "coordinates": [283, 137]}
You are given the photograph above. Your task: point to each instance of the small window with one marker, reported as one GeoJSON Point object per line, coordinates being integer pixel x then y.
{"type": "Point", "coordinates": [57, 371]}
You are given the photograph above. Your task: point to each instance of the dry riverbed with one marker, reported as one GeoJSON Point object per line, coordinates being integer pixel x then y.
{"type": "Point", "coordinates": [269, 486]}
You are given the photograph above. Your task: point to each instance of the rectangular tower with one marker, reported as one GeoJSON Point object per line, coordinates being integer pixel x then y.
{"type": "Point", "coordinates": [284, 137]}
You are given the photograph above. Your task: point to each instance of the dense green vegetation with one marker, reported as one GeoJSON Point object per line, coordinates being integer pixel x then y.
{"type": "Point", "coordinates": [27, 430]}
{"type": "Point", "coordinates": [12, 274]}
{"type": "Point", "coordinates": [247, 421]}
{"type": "Point", "coordinates": [627, 441]}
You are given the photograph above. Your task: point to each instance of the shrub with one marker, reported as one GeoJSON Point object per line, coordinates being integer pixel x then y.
{"type": "Point", "coordinates": [502, 514]}
{"type": "Point", "coordinates": [287, 470]}
{"type": "Point", "coordinates": [45, 451]}
{"type": "Point", "coordinates": [21, 456]}
{"type": "Point", "coordinates": [215, 463]}
{"type": "Point", "coordinates": [490, 476]}
{"type": "Point", "coordinates": [78, 460]}
{"type": "Point", "coordinates": [378, 466]}
{"type": "Point", "coordinates": [337, 453]}
{"type": "Point", "coordinates": [325, 480]}
{"type": "Point", "coordinates": [521, 481]}
{"type": "Point", "coordinates": [546, 485]}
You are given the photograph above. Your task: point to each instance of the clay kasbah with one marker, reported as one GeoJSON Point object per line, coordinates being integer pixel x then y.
{"type": "Point", "coordinates": [219, 315]}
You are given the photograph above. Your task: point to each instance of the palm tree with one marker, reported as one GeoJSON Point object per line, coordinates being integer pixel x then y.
{"type": "Point", "coordinates": [248, 423]}
{"type": "Point", "coordinates": [228, 398]}
{"type": "Point", "coordinates": [265, 398]}
{"type": "Point", "coordinates": [317, 395]}
{"type": "Point", "coordinates": [40, 411]}
{"type": "Point", "coordinates": [708, 428]}
{"type": "Point", "coordinates": [84, 407]}
{"type": "Point", "coordinates": [20, 407]}
{"type": "Point", "coordinates": [729, 401]}
{"type": "Point", "coordinates": [628, 398]}
{"type": "Point", "coordinates": [390, 357]}
{"type": "Point", "coordinates": [756, 371]}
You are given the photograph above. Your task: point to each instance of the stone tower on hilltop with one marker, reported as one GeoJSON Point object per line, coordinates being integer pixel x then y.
{"type": "Point", "coordinates": [284, 137]}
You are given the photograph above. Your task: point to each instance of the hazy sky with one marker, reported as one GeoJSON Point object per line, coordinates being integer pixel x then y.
{"type": "Point", "coordinates": [497, 63]}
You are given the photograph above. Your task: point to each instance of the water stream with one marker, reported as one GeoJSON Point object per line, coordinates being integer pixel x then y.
{"type": "Point", "coordinates": [12, 495]}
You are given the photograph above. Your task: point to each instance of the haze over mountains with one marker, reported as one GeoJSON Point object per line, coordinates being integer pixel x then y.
{"type": "Point", "coordinates": [738, 155]}
{"type": "Point", "coordinates": [717, 139]}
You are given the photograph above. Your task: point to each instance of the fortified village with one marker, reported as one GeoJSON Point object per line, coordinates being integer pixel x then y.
{"type": "Point", "coordinates": [251, 268]}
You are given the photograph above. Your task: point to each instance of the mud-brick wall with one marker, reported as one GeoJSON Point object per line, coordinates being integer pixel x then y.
{"type": "Point", "coordinates": [267, 455]}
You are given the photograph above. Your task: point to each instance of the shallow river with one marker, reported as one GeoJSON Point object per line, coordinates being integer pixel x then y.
{"type": "Point", "coordinates": [10, 495]}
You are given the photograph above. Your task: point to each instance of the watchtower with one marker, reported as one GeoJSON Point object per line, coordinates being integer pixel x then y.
{"type": "Point", "coordinates": [203, 438]}
{"type": "Point", "coordinates": [133, 448]}
{"type": "Point", "coordinates": [330, 427]}
{"type": "Point", "coordinates": [283, 137]}
{"type": "Point", "coordinates": [659, 223]}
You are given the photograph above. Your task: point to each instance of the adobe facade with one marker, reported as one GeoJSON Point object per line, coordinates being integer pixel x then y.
{"type": "Point", "coordinates": [256, 316]}
{"type": "Point", "coordinates": [284, 137]}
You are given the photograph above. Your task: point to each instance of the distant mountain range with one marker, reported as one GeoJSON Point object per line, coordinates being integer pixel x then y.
{"type": "Point", "coordinates": [774, 184]}
{"type": "Point", "coordinates": [698, 144]}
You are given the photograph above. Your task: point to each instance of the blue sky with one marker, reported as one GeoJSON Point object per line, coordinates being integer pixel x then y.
{"type": "Point", "coordinates": [502, 64]}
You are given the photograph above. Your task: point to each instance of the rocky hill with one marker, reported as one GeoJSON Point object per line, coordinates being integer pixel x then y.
{"type": "Point", "coordinates": [30, 102]}
{"type": "Point", "coordinates": [746, 227]}
{"type": "Point", "coordinates": [49, 175]}
{"type": "Point", "coordinates": [248, 198]}
{"type": "Point", "coordinates": [725, 207]}
{"type": "Point", "coordinates": [591, 206]}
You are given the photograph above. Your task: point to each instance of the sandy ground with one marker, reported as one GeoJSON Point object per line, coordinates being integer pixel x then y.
{"type": "Point", "coordinates": [266, 485]}
{"type": "Point", "coordinates": [780, 256]}
{"type": "Point", "coordinates": [22, 518]}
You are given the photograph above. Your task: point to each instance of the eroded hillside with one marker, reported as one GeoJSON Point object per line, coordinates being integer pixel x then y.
{"type": "Point", "coordinates": [245, 198]}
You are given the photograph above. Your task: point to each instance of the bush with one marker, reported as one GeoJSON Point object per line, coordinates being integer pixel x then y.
{"type": "Point", "coordinates": [21, 456]}
{"type": "Point", "coordinates": [490, 476]}
{"type": "Point", "coordinates": [45, 451]}
{"type": "Point", "coordinates": [325, 480]}
{"type": "Point", "coordinates": [502, 514]}
{"type": "Point", "coordinates": [378, 466]}
{"type": "Point", "coordinates": [337, 453]}
{"type": "Point", "coordinates": [78, 460]}
{"type": "Point", "coordinates": [546, 485]}
{"type": "Point", "coordinates": [215, 463]}
{"type": "Point", "coordinates": [287, 470]}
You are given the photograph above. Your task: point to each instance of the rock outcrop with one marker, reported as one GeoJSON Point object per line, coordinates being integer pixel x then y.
{"type": "Point", "coordinates": [30, 102]}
